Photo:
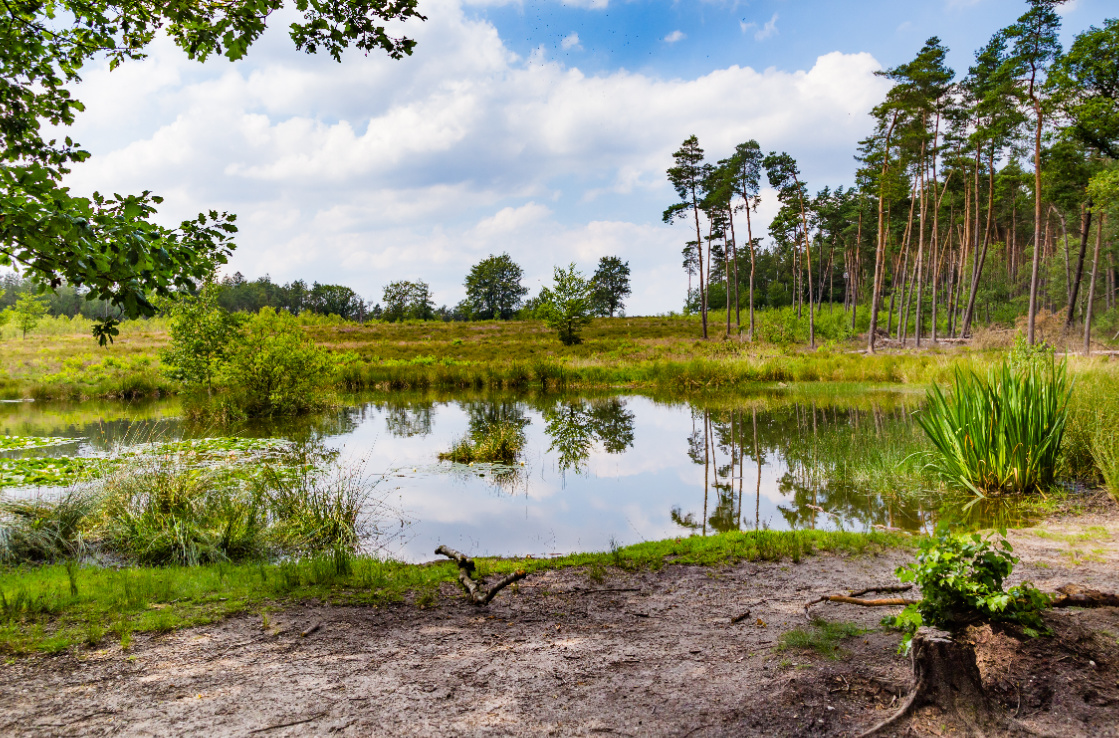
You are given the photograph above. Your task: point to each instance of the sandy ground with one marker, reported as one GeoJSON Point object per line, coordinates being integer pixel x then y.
{"type": "Point", "coordinates": [650, 653]}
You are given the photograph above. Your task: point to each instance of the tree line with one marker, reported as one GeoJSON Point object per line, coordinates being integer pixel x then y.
{"type": "Point", "coordinates": [494, 291]}
{"type": "Point", "coordinates": [988, 190]}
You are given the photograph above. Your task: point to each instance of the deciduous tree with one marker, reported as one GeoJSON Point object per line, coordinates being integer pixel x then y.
{"type": "Point", "coordinates": [494, 289]}
{"type": "Point", "coordinates": [610, 286]}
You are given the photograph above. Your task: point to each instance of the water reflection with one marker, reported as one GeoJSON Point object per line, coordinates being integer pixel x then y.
{"type": "Point", "coordinates": [834, 467]}
{"type": "Point", "coordinates": [574, 426]}
{"type": "Point", "coordinates": [595, 467]}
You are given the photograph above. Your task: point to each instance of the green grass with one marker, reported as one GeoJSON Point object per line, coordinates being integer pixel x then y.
{"type": "Point", "coordinates": [822, 636]}
{"type": "Point", "coordinates": [53, 608]}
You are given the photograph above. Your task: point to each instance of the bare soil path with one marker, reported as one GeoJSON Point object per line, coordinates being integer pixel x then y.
{"type": "Point", "coordinates": [648, 653]}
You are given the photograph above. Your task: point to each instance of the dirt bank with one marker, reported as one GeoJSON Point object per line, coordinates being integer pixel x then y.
{"type": "Point", "coordinates": [650, 653]}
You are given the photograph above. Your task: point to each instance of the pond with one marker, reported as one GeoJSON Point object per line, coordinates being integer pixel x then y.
{"type": "Point", "coordinates": [596, 470]}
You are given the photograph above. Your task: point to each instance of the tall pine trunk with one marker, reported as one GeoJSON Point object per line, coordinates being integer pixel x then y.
{"type": "Point", "coordinates": [1092, 287]}
{"type": "Point", "coordinates": [1035, 267]}
{"type": "Point", "coordinates": [880, 249]}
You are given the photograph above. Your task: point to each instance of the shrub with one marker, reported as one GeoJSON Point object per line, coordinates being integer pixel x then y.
{"type": "Point", "coordinates": [961, 580]}
{"type": "Point", "coordinates": [274, 368]}
{"type": "Point", "coordinates": [1002, 433]}
{"type": "Point", "coordinates": [201, 335]}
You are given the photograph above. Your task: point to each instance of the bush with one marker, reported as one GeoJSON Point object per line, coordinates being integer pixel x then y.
{"type": "Point", "coordinates": [1002, 433]}
{"type": "Point", "coordinates": [566, 306]}
{"type": "Point", "coordinates": [961, 580]}
{"type": "Point", "coordinates": [201, 335]}
{"type": "Point", "coordinates": [273, 368]}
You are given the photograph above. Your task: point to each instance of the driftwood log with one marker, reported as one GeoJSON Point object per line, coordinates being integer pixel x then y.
{"type": "Point", "coordinates": [476, 591]}
{"type": "Point", "coordinates": [1073, 595]}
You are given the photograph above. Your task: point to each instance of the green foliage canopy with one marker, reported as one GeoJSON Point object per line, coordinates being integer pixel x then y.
{"type": "Point", "coordinates": [275, 369]}
{"type": "Point", "coordinates": [201, 333]}
{"type": "Point", "coordinates": [610, 286]}
{"type": "Point", "coordinates": [1086, 82]}
{"type": "Point", "coordinates": [493, 288]}
{"type": "Point", "coordinates": [111, 245]}
{"type": "Point", "coordinates": [566, 306]}
{"type": "Point", "coordinates": [405, 300]}
{"type": "Point", "coordinates": [28, 311]}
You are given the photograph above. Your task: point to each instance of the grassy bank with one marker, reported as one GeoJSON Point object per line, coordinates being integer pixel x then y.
{"type": "Point", "coordinates": [643, 353]}
{"type": "Point", "coordinates": [56, 607]}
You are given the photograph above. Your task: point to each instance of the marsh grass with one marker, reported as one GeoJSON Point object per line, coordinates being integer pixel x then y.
{"type": "Point", "coordinates": [189, 503]}
{"type": "Point", "coordinates": [822, 636]}
{"type": "Point", "coordinates": [41, 612]}
{"type": "Point", "coordinates": [43, 529]}
{"type": "Point", "coordinates": [499, 443]}
{"type": "Point", "coordinates": [999, 433]}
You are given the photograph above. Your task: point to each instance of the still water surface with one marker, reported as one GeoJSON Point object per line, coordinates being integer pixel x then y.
{"type": "Point", "coordinates": [597, 470]}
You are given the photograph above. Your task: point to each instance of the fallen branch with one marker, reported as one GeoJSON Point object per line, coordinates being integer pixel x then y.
{"type": "Point", "coordinates": [311, 630]}
{"type": "Point", "coordinates": [477, 592]}
{"type": "Point", "coordinates": [854, 598]}
{"type": "Point", "coordinates": [1073, 595]}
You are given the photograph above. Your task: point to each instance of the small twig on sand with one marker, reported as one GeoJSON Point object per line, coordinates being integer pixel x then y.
{"type": "Point", "coordinates": [316, 716]}
{"type": "Point", "coordinates": [739, 618]}
{"type": "Point", "coordinates": [853, 598]}
{"type": "Point", "coordinates": [478, 594]}
{"type": "Point", "coordinates": [311, 630]}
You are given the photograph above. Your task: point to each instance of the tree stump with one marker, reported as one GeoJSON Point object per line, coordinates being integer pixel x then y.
{"type": "Point", "coordinates": [945, 675]}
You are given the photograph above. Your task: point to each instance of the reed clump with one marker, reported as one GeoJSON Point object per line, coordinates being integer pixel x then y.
{"type": "Point", "coordinates": [499, 443]}
{"type": "Point", "coordinates": [1002, 432]}
{"type": "Point", "coordinates": [164, 510]}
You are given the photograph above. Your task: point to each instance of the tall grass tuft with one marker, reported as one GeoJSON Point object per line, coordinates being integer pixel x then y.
{"type": "Point", "coordinates": [41, 530]}
{"type": "Point", "coordinates": [1105, 450]}
{"type": "Point", "coordinates": [159, 512]}
{"type": "Point", "coordinates": [499, 443]}
{"type": "Point", "coordinates": [1001, 433]}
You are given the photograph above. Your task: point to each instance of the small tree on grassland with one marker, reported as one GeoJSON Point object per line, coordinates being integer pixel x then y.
{"type": "Point", "coordinates": [28, 311]}
{"type": "Point", "coordinates": [201, 333]}
{"type": "Point", "coordinates": [610, 286]}
{"type": "Point", "coordinates": [493, 288]}
{"type": "Point", "coordinates": [566, 307]}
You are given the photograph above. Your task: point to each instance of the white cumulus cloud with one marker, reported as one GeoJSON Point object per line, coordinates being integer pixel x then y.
{"type": "Point", "coordinates": [373, 170]}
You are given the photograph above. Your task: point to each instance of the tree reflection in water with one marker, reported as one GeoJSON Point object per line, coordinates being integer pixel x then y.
{"type": "Point", "coordinates": [574, 426]}
{"type": "Point", "coordinates": [843, 467]}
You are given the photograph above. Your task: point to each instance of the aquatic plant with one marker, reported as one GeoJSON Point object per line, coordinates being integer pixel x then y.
{"type": "Point", "coordinates": [1001, 433]}
{"type": "Point", "coordinates": [20, 443]}
{"type": "Point", "coordinates": [499, 443]}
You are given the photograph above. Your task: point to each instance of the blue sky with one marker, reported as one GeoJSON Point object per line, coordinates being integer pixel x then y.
{"type": "Point", "coordinates": [539, 128]}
